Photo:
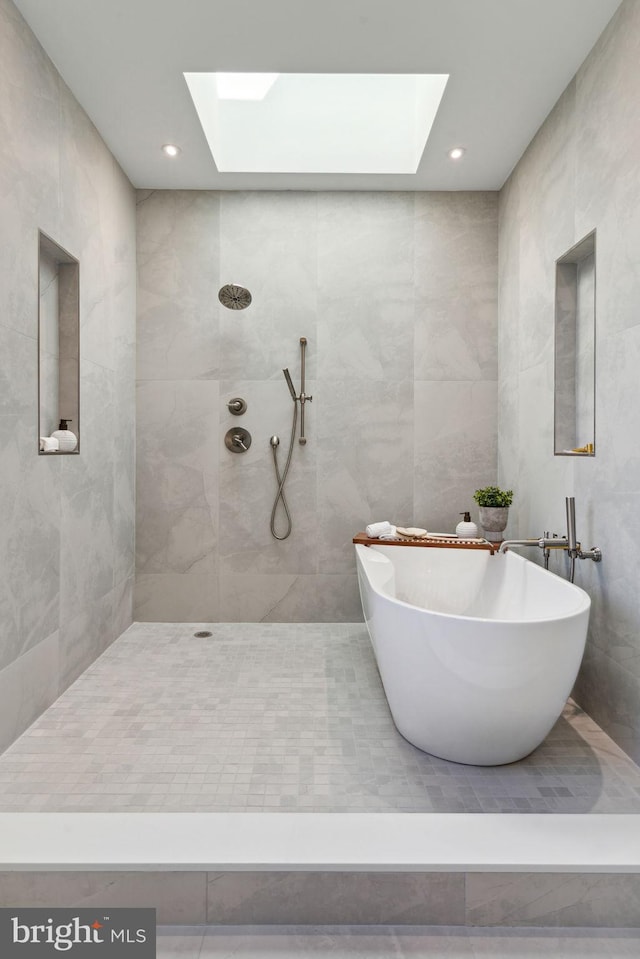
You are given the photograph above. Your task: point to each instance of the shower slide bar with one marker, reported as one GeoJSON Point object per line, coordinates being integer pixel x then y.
{"type": "Point", "coordinates": [302, 398]}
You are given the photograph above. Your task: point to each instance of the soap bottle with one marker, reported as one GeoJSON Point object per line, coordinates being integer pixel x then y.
{"type": "Point", "coordinates": [465, 528]}
{"type": "Point", "coordinates": [67, 440]}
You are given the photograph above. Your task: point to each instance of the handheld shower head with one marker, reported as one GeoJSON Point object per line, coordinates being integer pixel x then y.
{"type": "Point", "coordinates": [275, 441]}
{"type": "Point", "coordinates": [287, 377]}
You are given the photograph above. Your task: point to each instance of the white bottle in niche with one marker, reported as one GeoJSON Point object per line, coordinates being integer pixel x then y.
{"type": "Point", "coordinates": [465, 529]}
{"type": "Point", "coordinates": [67, 440]}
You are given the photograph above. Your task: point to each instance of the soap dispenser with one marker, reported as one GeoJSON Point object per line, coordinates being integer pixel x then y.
{"type": "Point", "coordinates": [465, 528]}
{"type": "Point", "coordinates": [67, 440]}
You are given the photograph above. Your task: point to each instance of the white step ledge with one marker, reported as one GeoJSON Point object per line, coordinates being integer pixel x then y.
{"type": "Point", "coordinates": [320, 842]}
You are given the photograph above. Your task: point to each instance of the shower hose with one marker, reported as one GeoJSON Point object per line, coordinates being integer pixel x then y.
{"type": "Point", "coordinates": [281, 479]}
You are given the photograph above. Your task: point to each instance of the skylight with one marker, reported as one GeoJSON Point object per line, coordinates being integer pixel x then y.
{"type": "Point", "coordinates": [244, 86]}
{"type": "Point", "coordinates": [316, 122]}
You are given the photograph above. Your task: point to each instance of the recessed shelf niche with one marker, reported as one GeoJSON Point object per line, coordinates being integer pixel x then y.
{"type": "Point", "coordinates": [58, 341]}
{"type": "Point", "coordinates": [575, 354]}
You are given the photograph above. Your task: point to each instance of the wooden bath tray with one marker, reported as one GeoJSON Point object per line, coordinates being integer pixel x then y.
{"type": "Point", "coordinates": [365, 540]}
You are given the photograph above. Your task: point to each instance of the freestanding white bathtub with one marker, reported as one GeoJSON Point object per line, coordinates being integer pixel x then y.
{"type": "Point", "coordinates": [477, 652]}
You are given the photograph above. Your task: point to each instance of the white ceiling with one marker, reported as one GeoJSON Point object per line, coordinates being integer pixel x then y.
{"type": "Point", "coordinates": [509, 61]}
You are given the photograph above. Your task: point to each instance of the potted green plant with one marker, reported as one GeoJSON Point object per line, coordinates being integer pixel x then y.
{"type": "Point", "coordinates": [494, 506]}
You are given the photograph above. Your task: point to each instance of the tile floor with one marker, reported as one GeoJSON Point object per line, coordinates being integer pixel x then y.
{"type": "Point", "coordinates": [389, 942]}
{"type": "Point", "coordinates": [271, 718]}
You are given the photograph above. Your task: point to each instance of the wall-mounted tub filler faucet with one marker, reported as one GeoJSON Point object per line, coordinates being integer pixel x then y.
{"type": "Point", "coordinates": [569, 542]}
{"type": "Point", "coordinates": [302, 398]}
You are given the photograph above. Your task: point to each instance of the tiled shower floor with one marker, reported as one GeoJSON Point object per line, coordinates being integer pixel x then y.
{"type": "Point", "coordinates": [276, 718]}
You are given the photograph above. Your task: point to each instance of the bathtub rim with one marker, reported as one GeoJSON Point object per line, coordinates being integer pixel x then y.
{"type": "Point", "coordinates": [584, 608]}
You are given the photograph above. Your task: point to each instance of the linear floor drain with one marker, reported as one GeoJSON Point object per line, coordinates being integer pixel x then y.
{"type": "Point", "coordinates": [203, 634]}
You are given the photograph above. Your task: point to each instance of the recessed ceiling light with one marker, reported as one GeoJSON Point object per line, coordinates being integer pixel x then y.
{"type": "Point", "coordinates": [171, 150]}
{"type": "Point", "coordinates": [456, 153]}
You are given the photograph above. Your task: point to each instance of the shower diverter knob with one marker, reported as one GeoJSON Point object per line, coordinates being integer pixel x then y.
{"type": "Point", "coordinates": [238, 440]}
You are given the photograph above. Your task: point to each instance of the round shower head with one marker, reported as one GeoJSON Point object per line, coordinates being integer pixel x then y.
{"type": "Point", "coordinates": [234, 297]}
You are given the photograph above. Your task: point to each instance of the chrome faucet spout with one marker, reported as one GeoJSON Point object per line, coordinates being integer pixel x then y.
{"type": "Point", "coordinates": [504, 546]}
{"type": "Point", "coordinates": [545, 543]}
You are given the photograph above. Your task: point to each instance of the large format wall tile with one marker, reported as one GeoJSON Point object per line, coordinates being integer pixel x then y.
{"type": "Point", "coordinates": [30, 547]}
{"type": "Point", "coordinates": [365, 286]}
{"type": "Point", "coordinates": [365, 464]}
{"type": "Point", "coordinates": [543, 508]}
{"type": "Point", "coordinates": [176, 597]}
{"type": "Point", "coordinates": [178, 266]}
{"type": "Point", "coordinates": [526, 899]}
{"type": "Point", "coordinates": [456, 264]}
{"type": "Point", "coordinates": [30, 493]}
{"type": "Point", "coordinates": [29, 165]}
{"type": "Point", "coordinates": [122, 600]}
{"type": "Point", "coordinates": [290, 598]}
{"type": "Point", "coordinates": [455, 449]}
{"type": "Point", "coordinates": [607, 143]}
{"type": "Point", "coordinates": [28, 686]}
{"type": "Point", "coordinates": [618, 356]}
{"type": "Point", "coordinates": [177, 489]}
{"type": "Point", "coordinates": [613, 691]}
{"type": "Point", "coordinates": [327, 898]}
{"type": "Point", "coordinates": [84, 637]}
{"type": "Point", "coordinates": [124, 471]}
{"type": "Point", "coordinates": [178, 897]}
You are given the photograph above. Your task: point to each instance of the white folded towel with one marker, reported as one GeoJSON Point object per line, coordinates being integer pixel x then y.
{"type": "Point", "coordinates": [49, 444]}
{"type": "Point", "coordinates": [375, 530]}
{"type": "Point", "coordinates": [392, 535]}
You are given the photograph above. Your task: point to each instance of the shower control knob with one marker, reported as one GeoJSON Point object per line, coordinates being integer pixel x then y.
{"type": "Point", "coordinates": [237, 406]}
{"type": "Point", "coordinates": [238, 440]}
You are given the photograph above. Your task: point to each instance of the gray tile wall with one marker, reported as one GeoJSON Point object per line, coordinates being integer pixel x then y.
{"type": "Point", "coordinates": [581, 172]}
{"type": "Point", "coordinates": [66, 537]}
{"type": "Point", "coordinates": [465, 900]}
{"type": "Point", "coordinates": [396, 293]}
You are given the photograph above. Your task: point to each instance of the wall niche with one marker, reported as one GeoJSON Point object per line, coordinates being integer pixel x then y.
{"type": "Point", "coordinates": [58, 346]}
{"type": "Point", "coordinates": [575, 350]}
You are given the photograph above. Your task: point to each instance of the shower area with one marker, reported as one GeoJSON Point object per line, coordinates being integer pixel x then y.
{"type": "Point", "coordinates": [365, 279]}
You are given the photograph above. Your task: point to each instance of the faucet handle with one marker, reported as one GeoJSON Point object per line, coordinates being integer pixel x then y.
{"type": "Point", "coordinates": [238, 440]}
{"type": "Point", "coordinates": [594, 553]}
{"type": "Point", "coordinates": [237, 406]}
